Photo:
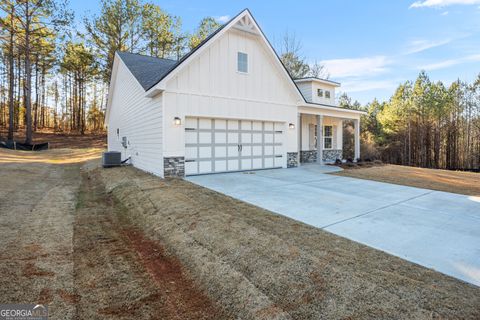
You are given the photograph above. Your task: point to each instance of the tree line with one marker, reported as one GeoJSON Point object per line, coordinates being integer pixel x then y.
{"type": "Point", "coordinates": [53, 76]}
{"type": "Point", "coordinates": [424, 123]}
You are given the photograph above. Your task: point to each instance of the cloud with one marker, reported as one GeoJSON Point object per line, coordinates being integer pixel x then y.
{"type": "Point", "coordinates": [422, 45]}
{"type": "Point", "coordinates": [222, 19]}
{"type": "Point", "coordinates": [356, 67]}
{"type": "Point", "coordinates": [451, 62]}
{"type": "Point", "coordinates": [441, 3]}
{"type": "Point", "coordinates": [368, 85]}
{"type": "Point", "coordinates": [444, 13]}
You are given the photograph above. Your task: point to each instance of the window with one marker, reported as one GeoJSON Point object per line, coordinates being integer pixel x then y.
{"type": "Point", "coordinates": [118, 134]}
{"type": "Point", "coordinates": [242, 62]}
{"type": "Point", "coordinates": [320, 92]}
{"type": "Point", "coordinates": [328, 137]}
{"type": "Point", "coordinates": [327, 94]}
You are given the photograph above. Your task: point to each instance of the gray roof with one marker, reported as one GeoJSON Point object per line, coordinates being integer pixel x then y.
{"type": "Point", "coordinates": [147, 70]}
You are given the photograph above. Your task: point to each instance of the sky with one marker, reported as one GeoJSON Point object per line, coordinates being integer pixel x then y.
{"type": "Point", "coordinates": [369, 46]}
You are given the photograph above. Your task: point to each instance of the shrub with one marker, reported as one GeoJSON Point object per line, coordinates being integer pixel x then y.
{"type": "Point", "coordinates": [338, 161]}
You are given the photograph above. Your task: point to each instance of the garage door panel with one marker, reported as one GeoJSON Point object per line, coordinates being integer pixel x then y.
{"type": "Point", "coordinates": [220, 165]}
{"type": "Point", "coordinates": [257, 163]}
{"type": "Point", "coordinates": [233, 165]}
{"type": "Point", "coordinates": [205, 152]}
{"type": "Point", "coordinates": [246, 151]}
{"type": "Point", "coordinates": [246, 164]}
{"type": "Point", "coordinates": [268, 126]}
{"type": "Point", "coordinates": [205, 166]}
{"type": "Point", "coordinates": [246, 138]}
{"type": "Point", "coordinates": [220, 137]}
{"type": "Point", "coordinates": [191, 152]}
{"type": "Point", "coordinates": [268, 150]}
{"type": "Point", "coordinates": [205, 123]}
{"type": "Point", "coordinates": [191, 137]}
{"type": "Point", "coordinates": [268, 162]}
{"type": "Point", "coordinates": [233, 151]}
{"type": "Point", "coordinates": [191, 123]}
{"type": "Point", "coordinates": [220, 152]}
{"type": "Point", "coordinates": [205, 137]}
{"type": "Point", "coordinates": [257, 138]}
{"type": "Point", "coordinates": [257, 150]}
{"type": "Point", "coordinates": [220, 124]}
{"type": "Point", "coordinates": [232, 124]}
{"type": "Point", "coordinates": [191, 168]}
{"type": "Point", "coordinates": [233, 137]}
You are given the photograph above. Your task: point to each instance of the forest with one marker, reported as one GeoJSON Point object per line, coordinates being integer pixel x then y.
{"type": "Point", "coordinates": [54, 75]}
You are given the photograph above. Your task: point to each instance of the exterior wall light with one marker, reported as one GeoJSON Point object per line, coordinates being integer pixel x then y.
{"type": "Point", "coordinates": [177, 121]}
{"type": "Point", "coordinates": [291, 126]}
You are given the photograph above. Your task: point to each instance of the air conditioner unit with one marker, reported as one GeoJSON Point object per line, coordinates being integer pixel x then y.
{"type": "Point", "coordinates": [111, 159]}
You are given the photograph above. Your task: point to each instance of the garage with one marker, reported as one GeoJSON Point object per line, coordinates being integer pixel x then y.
{"type": "Point", "coordinates": [225, 145]}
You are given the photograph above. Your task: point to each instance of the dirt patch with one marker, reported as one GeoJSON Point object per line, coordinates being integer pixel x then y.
{"type": "Point", "coordinates": [442, 180]}
{"type": "Point", "coordinates": [63, 245]}
{"type": "Point", "coordinates": [299, 271]}
{"type": "Point", "coordinates": [120, 273]}
{"type": "Point", "coordinates": [63, 140]}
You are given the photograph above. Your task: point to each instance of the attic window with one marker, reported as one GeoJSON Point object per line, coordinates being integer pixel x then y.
{"type": "Point", "coordinates": [242, 62]}
{"type": "Point", "coordinates": [320, 92]}
{"type": "Point", "coordinates": [327, 94]}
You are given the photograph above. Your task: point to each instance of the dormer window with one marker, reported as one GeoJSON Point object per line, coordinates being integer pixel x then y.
{"type": "Point", "coordinates": [242, 62]}
{"type": "Point", "coordinates": [320, 92]}
{"type": "Point", "coordinates": [327, 94]}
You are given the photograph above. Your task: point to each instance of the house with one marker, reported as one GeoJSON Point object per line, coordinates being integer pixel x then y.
{"type": "Point", "coordinates": [228, 105]}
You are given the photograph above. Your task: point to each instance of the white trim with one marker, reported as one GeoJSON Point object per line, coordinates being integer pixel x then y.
{"type": "Point", "coordinates": [332, 108]}
{"type": "Point", "coordinates": [323, 81]}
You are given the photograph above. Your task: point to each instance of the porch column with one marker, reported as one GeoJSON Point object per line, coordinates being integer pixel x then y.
{"type": "Point", "coordinates": [299, 131]}
{"type": "Point", "coordinates": [356, 124]}
{"type": "Point", "coordinates": [319, 139]}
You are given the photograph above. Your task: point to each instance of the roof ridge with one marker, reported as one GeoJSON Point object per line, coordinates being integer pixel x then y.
{"type": "Point", "coordinates": [145, 55]}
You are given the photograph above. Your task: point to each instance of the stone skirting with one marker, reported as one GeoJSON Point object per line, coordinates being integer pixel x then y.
{"type": "Point", "coordinates": [332, 155]}
{"type": "Point", "coordinates": [174, 167]}
{"type": "Point", "coordinates": [310, 156]}
{"type": "Point", "coordinates": [292, 159]}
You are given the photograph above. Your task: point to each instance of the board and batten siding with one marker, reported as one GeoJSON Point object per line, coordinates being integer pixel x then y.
{"type": "Point", "coordinates": [210, 86]}
{"type": "Point", "coordinates": [139, 119]}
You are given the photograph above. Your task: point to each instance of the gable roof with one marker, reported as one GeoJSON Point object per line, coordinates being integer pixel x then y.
{"type": "Point", "coordinates": [147, 70]}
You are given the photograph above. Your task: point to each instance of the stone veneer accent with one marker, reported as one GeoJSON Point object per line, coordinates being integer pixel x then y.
{"type": "Point", "coordinates": [332, 155]}
{"type": "Point", "coordinates": [292, 159]}
{"type": "Point", "coordinates": [310, 156]}
{"type": "Point", "coordinates": [174, 167]}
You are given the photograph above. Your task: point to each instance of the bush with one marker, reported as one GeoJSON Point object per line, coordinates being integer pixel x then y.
{"type": "Point", "coordinates": [378, 162]}
{"type": "Point", "coordinates": [349, 160]}
{"type": "Point", "coordinates": [338, 161]}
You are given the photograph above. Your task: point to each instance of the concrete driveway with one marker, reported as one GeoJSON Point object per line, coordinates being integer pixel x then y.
{"type": "Point", "coordinates": [438, 230]}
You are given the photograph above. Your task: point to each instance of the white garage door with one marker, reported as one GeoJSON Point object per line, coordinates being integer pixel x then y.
{"type": "Point", "coordinates": [221, 145]}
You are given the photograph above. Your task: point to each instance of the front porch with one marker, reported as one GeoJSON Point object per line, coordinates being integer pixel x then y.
{"type": "Point", "coordinates": [325, 145]}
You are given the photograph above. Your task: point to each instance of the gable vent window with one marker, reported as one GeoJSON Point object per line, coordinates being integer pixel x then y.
{"type": "Point", "coordinates": [320, 92]}
{"type": "Point", "coordinates": [327, 94]}
{"type": "Point", "coordinates": [242, 62]}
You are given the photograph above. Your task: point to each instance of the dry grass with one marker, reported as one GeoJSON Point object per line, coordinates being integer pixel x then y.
{"type": "Point", "coordinates": [63, 140]}
{"type": "Point", "coordinates": [442, 180]}
{"type": "Point", "coordinates": [63, 245]}
{"type": "Point", "coordinates": [262, 265]}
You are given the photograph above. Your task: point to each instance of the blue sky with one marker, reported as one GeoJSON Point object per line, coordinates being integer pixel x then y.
{"type": "Point", "coordinates": [368, 46]}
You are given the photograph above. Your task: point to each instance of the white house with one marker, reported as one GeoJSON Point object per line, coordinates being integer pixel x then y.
{"type": "Point", "coordinates": [228, 105]}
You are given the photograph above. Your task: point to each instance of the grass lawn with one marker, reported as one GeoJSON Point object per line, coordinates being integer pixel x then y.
{"type": "Point", "coordinates": [442, 180]}
{"type": "Point", "coordinates": [118, 243]}
{"type": "Point", "coordinates": [258, 263]}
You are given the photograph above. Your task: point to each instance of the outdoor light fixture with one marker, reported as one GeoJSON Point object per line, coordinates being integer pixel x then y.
{"type": "Point", "coordinates": [177, 121]}
{"type": "Point", "coordinates": [291, 126]}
